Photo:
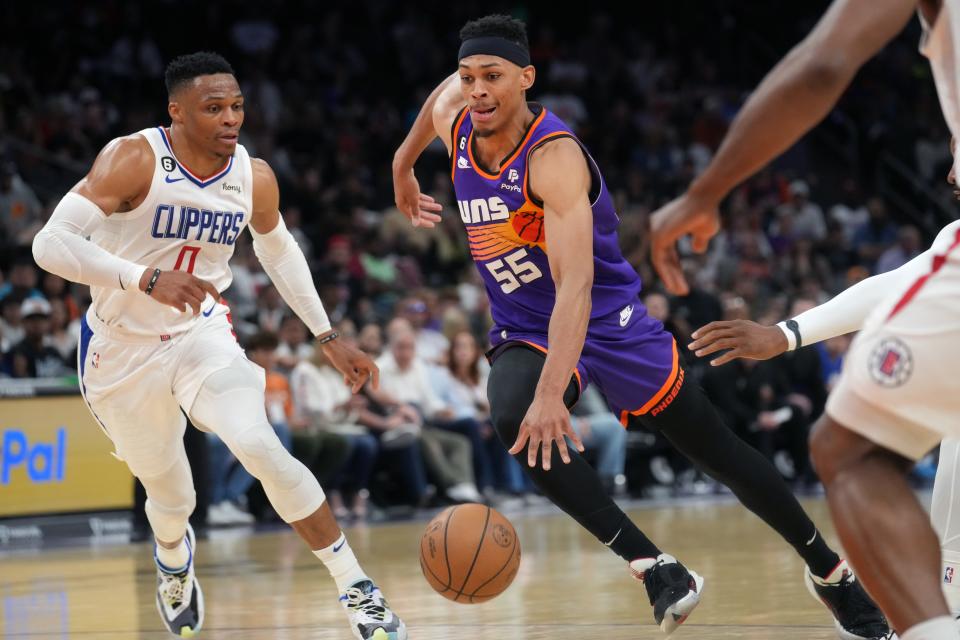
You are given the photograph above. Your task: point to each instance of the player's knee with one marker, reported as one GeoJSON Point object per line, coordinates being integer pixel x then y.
{"type": "Point", "coordinates": [506, 422]}
{"type": "Point", "coordinates": [262, 454]}
{"type": "Point", "coordinates": [835, 449]}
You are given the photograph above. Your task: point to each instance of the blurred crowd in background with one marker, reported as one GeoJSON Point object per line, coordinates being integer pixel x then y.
{"type": "Point", "coordinates": [330, 92]}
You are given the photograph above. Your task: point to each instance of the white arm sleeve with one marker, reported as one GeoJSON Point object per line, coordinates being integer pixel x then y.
{"type": "Point", "coordinates": [62, 248]}
{"type": "Point", "coordinates": [287, 268]}
{"type": "Point", "coordinates": [848, 310]}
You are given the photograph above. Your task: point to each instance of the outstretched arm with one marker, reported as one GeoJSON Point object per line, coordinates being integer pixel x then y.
{"type": "Point", "coordinates": [560, 175]}
{"type": "Point", "coordinates": [284, 262]}
{"type": "Point", "coordinates": [435, 119]}
{"type": "Point", "coordinates": [119, 178]}
{"type": "Point", "coordinates": [844, 313]}
{"type": "Point", "coordinates": [794, 96]}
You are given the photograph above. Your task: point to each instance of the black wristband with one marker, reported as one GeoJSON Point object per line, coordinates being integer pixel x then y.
{"type": "Point", "coordinates": [330, 338]}
{"type": "Point", "coordinates": [153, 282]}
{"type": "Point", "coordinates": [793, 326]}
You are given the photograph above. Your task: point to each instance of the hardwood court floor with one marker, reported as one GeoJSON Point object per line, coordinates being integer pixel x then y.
{"type": "Point", "coordinates": [569, 586]}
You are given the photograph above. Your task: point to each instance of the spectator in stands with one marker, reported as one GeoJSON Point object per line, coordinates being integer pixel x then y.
{"type": "Point", "coordinates": [431, 345]}
{"type": "Point", "coordinates": [323, 403]}
{"type": "Point", "coordinates": [19, 208]}
{"type": "Point", "coordinates": [407, 378]}
{"type": "Point", "coordinates": [907, 248]}
{"type": "Point", "coordinates": [32, 357]}
{"type": "Point", "coordinates": [876, 235]}
{"type": "Point", "coordinates": [603, 437]}
{"type": "Point", "coordinates": [294, 346]}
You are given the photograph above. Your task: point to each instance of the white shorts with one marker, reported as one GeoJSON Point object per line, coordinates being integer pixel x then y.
{"type": "Point", "coordinates": [136, 387]}
{"type": "Point", "coordinates": [900, 386]}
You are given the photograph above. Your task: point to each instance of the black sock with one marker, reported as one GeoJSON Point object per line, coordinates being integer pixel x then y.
{"type": "Point", "coordinates": [695, 428]}
{"type": "Point", "coordinates": [575, 487]}
{"type": "Point", "coordinates": [819, 557]}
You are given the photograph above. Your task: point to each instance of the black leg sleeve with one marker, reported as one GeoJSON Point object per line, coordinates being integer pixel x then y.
{"type": "Point", "coordinates": [694, 427]}
{"type": "Point", "coordinates": [575, 487]}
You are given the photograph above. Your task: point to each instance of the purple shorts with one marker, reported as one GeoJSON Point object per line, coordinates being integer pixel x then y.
{"type": "Point", "coordinates": [631, 358]}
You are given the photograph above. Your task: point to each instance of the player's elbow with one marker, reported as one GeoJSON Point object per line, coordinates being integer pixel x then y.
{"type": "Point", "coordinates": [41, 249]}
{"type": "Point", "coordinates": [821, 69]}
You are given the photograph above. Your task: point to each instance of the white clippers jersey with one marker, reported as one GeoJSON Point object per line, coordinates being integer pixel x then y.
{"type": "Point", "coordinates": [185, 223]}
{"type": "Point", "coordinates": [940, 45]}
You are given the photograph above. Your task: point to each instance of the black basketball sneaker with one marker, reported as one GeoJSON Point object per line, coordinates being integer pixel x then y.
{"type": "Point", "coordinates": [674, 591]}
{"type": "Point", "coordinates": [856, 616]}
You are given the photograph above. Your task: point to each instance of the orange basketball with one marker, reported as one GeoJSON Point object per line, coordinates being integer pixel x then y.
{"type": "Point", "coordinates": [469, 553]}
{"type": "Point", "coordinates": [529, 225]}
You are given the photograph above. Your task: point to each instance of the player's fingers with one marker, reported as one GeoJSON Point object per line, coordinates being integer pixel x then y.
{"type": "Point", "coordinates": [562, 448]}
{"type": "Point", "coordinates": [729, 356]}
{"type": "Point", "coordinates": [430, 216]}
{"type": "Point", "coordinates": [545, 450]}
{"type": "Point", "coordinates": [710, 326]}
{"type": "Point", "coordinates": [522, 438]}
{"type": "Point", "coordinates": [207, 287]}
{"type": "Point", "coordinates": [666, 261]}
{"type": "Point", "coordinates": [360, 380]}
{"type": "Point", "coordinates": [700, 241]}
{"type": "Point", "coordinates": [375, 375]}
{"type": "Point", "coordinates": [532, 448]}
{"type": "Point", "coordinates": [717, 345]}
{"type": "Point", "coordinates": [193, 298]}
{"type": "Point", "coordinates": [711, 337]}
{"type": "Point", "coordinates": [573, 435]}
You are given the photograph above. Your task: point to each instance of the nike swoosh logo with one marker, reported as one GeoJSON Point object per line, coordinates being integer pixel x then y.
{"type": "Point", "coordinates": [167, 178]}
{"type": "Point", "coordinates": [337, 547]}
{"type": "Point", "coordinates": [206, 314]}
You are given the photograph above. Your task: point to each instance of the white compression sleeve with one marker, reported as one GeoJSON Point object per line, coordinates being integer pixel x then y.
{"type": "Point", "coordinates": [848, 310]}
{"type": "Point", "coordinates": [62, 248]}
{"type": "Point", "coordinates": [284, 263]}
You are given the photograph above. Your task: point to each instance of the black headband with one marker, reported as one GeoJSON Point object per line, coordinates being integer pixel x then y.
{"type": "Point", "coordinates": [495, 46]}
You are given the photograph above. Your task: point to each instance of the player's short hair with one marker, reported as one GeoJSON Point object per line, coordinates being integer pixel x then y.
{"type": "Point", "coordinates": [496, 25]}
{"type": "Point", "coordinates": [185, 68]}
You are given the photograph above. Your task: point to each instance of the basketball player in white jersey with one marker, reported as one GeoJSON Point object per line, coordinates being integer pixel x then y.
{"type": "Point", "coordinates": [842, 314]}
{"type": "Point", "coordinates": [152, 237]}
{"type": "Point", "coordinates": [898, 395]}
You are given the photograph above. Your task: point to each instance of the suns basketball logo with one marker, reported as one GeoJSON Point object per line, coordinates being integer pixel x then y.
{"type": "Point", "coordinates": [891, 363]}
{"type": "Point", "coordinates": [529, 225]}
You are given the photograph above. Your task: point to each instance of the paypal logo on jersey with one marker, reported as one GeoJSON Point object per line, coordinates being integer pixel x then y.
{"type": "Point", "coordinates": [190, 223]}
{"type": "Point", "coordinates": [43, 461]}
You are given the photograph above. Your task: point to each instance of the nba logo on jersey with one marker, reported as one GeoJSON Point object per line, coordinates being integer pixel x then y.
{"type": "Point", "coordinates": [948, 575]}
{"type": "Point", "coordinates": [513, 176]}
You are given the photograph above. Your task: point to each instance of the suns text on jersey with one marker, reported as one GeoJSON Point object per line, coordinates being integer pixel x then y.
{"type": "Point", "coordinates": [191, 223]}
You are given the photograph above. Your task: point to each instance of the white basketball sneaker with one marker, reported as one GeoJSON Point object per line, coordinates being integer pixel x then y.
{"type": "Point", "coordinates": [179, 598]}
{"type": "Point", "coordinates": [370, 617]}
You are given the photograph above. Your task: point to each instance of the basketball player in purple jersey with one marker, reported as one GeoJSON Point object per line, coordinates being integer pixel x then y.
{"type": "Point", "coordinates": [542, 232]}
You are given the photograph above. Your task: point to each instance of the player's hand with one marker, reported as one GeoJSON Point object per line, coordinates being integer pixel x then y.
{"type": "Point", "coordinates": [421, 209]}
{"type": "Point", "coordinates": [547, 421]}
{"type": "Point", "coordinates": [687, 215]}
{"type": "Point", "coordinates": [179, 289]}
{"type": "Point", "coordinates": [356, 366]}
{"type": "Point", "coordinates": [741, 339]}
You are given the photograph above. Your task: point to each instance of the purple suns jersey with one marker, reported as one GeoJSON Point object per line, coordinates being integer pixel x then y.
{"type": "Point", "coordinates": [507, 236]}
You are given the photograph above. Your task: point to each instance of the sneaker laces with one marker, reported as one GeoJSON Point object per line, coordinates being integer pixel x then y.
{"type": "Point", "coordinates": [366, 604]}
{"type": "Point", "coordinates": [173, 588]}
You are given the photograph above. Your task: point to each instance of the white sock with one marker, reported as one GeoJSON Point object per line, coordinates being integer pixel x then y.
{"type": "Point", "coordinates": [342, 564]}
{"type": "Point", "coordinates": [943, 628]}
{"type": "Point", "coordinates": [176, 559]}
